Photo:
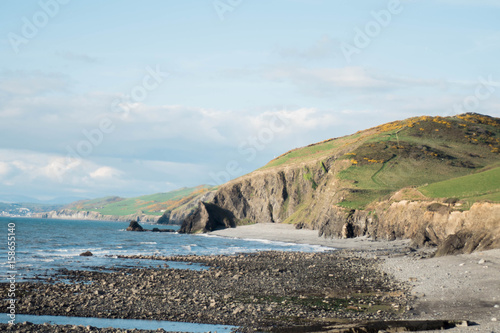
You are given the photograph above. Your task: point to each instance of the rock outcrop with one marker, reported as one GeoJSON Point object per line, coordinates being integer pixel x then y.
{"type": "Point", "coordinates": [208, 217]}
{"type": "Point", "coordinates": [179, 214]}
{"type": "Point", "coordinates": [134, 226]}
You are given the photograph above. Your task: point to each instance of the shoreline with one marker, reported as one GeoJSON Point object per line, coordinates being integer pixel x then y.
{"type": "Point", "coordinates": [247, 290]}
{"type": "Point", "coordinates": [288, 234]}
{"type": "Point", "coordinates": [460, 287]}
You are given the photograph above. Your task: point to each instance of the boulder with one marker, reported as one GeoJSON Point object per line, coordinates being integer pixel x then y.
{"type": "Point", "coordinates": [86, 254]}
{"type": "Point", "coordinates": [135, 226]}
{"type": "Point", "coordinates": [466, 241]}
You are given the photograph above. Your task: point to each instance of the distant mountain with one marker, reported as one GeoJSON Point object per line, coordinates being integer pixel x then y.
{"type": "Point", "coordinates": [12, 198]}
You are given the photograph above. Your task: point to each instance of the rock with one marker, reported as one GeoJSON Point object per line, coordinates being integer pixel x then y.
{"type": "Point", "coordinates": [86, 254]}
{"type": "Point", "coordinates": [482, 261]}
{"type": "Point", "coordinates": [466, 242]}
{"type": "Point", "coordinates": [135, 226]}
{"type": "Point", "coordinates": [208, 217]}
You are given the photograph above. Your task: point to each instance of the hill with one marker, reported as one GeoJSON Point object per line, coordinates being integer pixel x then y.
{"type": "Point", "coordinates": [144, 208]}
{"type": "Point", "coordinates": [352, 186]}
{"type": "Point", "coordinates": [154, 204]}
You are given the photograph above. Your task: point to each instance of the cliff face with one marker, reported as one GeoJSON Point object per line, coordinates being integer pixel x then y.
{"type": "Point", "coordinates": [178, 215]}
{"type": "Point", "coordinates": [264, 196]}
{"type": "Point", "coordinates": [359, 185]}
{"type": "Point", "coordinates": [307, 196]}
{"type": "Point", "coordinates": [70, 214]}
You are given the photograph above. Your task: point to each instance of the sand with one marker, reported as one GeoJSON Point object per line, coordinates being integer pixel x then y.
{"type": "Point", "coordinates": [462, 287]}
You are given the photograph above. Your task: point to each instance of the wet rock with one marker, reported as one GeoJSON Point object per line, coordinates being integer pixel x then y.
{"type": "Point", "coordinates": [253, 291]}
{"type": "Point", "coordinates": [86, 254]}
{"type": "Point", "coordinates": [135, 226]}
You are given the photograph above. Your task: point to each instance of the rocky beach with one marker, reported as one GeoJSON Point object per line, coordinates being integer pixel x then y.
{"type": "Point", "coordinates": [363, 282]}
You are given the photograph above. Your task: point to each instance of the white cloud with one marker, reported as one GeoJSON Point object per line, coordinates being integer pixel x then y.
{"type": "Point", "coordinates": [4, 169]}
{"type": "Point", "coordinates": [105, 173]}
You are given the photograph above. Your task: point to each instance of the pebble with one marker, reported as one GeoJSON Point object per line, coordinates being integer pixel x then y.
{"type": "Point", "coordinates": [482, 261]}
{"type": "Point", "coordinates": [249, 291]}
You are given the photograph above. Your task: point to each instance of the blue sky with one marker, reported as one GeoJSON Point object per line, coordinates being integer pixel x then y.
{"type": "Point", "coordinates": [136, 97]}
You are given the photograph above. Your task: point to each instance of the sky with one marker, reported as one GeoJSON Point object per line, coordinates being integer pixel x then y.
{"type": "Point", "coordinates": [127, 98]}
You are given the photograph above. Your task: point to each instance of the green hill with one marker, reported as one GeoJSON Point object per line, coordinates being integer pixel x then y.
{"type": "Point", "coordinates": [480, 186]}
{"type": "Point", "coordinates": [154, 204]}
{"type": "Point", "coordinates": [413, 152]}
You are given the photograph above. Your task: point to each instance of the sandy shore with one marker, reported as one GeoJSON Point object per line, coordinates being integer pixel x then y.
{"type": "Point", "coordinates": [463, 287]}
{"type": "Point", "coordinates": [288, 233]}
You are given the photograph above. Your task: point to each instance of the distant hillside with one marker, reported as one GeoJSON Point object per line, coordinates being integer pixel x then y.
{"type": "Point", "coordinates": [147, 208]}
{"type": "Point", "coordinates": [154, 204]}
{"type": "Point", "coordinates": [422, 178]}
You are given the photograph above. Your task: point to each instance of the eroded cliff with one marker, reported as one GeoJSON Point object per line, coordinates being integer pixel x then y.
{"type": "Point", "coordinates": [367, 184]}
{"type": "Point", "coordinates": [69, 214]}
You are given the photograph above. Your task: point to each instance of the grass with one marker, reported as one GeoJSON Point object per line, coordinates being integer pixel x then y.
{"type": "Point", "coordinates": [302, 154]}
{"type": "Point", "coordinates": [478, 186]}
{"type": "Point", "coordinates": [154, 204]}
{"type": "Point", "coordinates": [360, 199]}
{"type": "Point", "coordinates": [422, 151]}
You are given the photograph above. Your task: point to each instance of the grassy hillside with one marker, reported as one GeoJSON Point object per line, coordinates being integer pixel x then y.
{"type": "Point", "coordinates": [479, 186]}
{"type": "Point", "coordinates": [154, 204]}
{"type": "Point", "coordinates": [413, 152]}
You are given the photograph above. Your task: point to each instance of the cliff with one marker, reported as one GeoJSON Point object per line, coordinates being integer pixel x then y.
{"type": "Point", "coordinates": [373, 183]}
{"type": "Point", "coordinates": [70, 214]}
{"type": "Point", "coordinates": [189, 206]}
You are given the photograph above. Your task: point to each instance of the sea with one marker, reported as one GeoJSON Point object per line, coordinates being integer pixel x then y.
{"type": "Point", "coordinates": [42, 249]}
{"type": "Point", "coordinates": [45, 246]}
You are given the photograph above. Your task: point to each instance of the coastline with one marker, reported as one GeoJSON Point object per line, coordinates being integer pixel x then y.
{"type": "Point", "coordinates": [288, 234]}
{"type": "Point", "coordinates": [461, 287]}
{"type": "Point", "coordinates": [251, 291]}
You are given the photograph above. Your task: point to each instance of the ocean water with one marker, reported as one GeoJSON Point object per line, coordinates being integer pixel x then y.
{"type": "Point", "coordinates": [44, 246]}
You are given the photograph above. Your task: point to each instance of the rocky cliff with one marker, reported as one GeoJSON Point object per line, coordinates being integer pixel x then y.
{"type": "Point", "coordinates": [375, 194]}
{"type": "Point", "coordinates": [179, 214]}
{"type": "Point", "coordinates": [70, 214]}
